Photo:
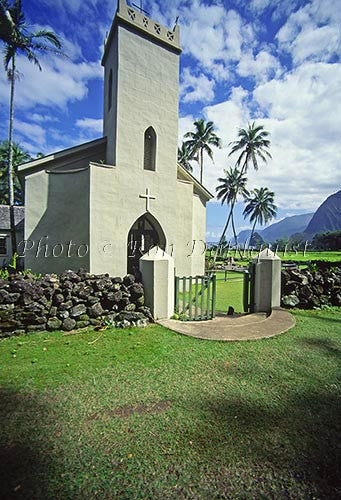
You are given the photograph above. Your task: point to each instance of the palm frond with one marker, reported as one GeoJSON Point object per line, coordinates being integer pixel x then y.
{"type": "Point", "coordinates": [51, 37]}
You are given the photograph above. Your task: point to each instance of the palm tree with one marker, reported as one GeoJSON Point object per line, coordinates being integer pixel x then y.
{"type": "Point", "coordinates": [232, 185]}
{"type": "Point", "coordinates": [5, 24]}
{"type": "Point", "coordinates": [260, 207]}
{"type": "Point", "coordinates": [19, 156]}
{"type": "Point", "coordinates": [201, 140]}
{"type": "Point", "coordinates": [185, 155]}
{"type": "Point", "coordinates": [252, 144]}
{"type": "Point", "coordinates": [18, 39]}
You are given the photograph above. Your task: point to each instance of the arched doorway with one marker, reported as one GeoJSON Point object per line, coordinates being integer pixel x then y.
{"type": "Point", "coordinates": [144, 234]}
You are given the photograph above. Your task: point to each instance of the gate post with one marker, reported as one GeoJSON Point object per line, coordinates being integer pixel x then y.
{"type": "Point", "coordinates": [267, 292]}
{"type": "Point", "coordinates": [157, 269]}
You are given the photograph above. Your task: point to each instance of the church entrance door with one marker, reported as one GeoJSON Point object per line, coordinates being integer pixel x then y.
{"type": "Point", "coordinates": [144, 234]}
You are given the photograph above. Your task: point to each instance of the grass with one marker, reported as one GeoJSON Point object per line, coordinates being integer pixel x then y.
{"type": "Point", "coordinates": [230, 292]}
{"type": "Point", "coordinates": [328, 256]}
{"type": "Point", "coordinates": [153, 414]}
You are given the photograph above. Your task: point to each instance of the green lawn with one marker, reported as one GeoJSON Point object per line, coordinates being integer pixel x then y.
{"type": "Point", "coordinates": [329, 256]}
{"type": "Point", "coordinates": [230, 292]}
{"type": "Point", "coordinates": [153, 414]}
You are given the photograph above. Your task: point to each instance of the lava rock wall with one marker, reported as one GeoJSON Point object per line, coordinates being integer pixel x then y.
{"type": "Point", "coordinates": [316, 286]}
{"type": "Point", "coordinates": [70, 301]}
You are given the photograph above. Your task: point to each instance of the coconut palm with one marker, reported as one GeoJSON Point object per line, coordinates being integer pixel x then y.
{"type": "Point", "coordinates": [232, 185]}
{"type": "Point", "coordinates": [260, 207]}
{"type": "Point", "coordinates": [5, 24]}
{"type": "Point", "coordinates": [19, 40]}
{"type": "Point", "coordinates": [185, 156]}
{"type": "Point", "coordinates": [200, 141]}
{"type": "Point", "coordinates": [253, 143]}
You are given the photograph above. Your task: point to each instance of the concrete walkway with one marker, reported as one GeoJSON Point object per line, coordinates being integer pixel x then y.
{"type": "Point", "coordinates": [244, 327]}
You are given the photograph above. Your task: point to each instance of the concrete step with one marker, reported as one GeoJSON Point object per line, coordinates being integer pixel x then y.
{"type": "Point", "coordinates": [228, 328]}
{"type": "Point", "coordinates": [241, 319]}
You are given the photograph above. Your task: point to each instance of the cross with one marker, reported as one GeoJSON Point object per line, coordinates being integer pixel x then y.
{"type": "Point", "coordinates": [140, 7]}
{"type": "Point", "coordinates": [147, 197]}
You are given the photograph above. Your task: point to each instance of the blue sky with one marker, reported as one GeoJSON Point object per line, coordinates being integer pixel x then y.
{"type": "Point", "coordinates": [273, 61]}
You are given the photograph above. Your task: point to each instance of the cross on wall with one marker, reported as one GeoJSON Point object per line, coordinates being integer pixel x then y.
{"type": "Point", "coordinates": [147, 197]}
{"type": "Point", "coordinates": [140, 7]}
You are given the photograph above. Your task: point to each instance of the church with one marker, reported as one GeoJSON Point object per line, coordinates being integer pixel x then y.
{"type": "Point", "coordinates": [101, 205]}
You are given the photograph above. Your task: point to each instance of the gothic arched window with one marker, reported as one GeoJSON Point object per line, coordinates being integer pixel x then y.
{"type": "Point", "coordinates": [149, 149]}
{"type": "Point", "coordinates": [110, 91]}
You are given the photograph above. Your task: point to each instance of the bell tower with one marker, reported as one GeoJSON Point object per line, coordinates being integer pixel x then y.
{"type": "Point", "coordinates": [141, 82]}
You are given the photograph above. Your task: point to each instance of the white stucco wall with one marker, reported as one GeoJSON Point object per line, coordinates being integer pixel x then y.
{"type": "Point", "coordinates": [57, 216]}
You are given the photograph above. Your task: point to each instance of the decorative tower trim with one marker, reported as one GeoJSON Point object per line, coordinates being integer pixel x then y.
{"type": "Point", "coordinates": [139, 21]}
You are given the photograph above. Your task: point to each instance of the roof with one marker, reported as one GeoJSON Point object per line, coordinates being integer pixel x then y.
{"type": "Point", "coordinates": [19, 214]}
{"type": "Point", "coordinates": [195, 181]}
{"type": "Point", "coordinates": [40, 163]}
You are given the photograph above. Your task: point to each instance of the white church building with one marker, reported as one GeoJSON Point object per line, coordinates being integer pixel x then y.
{"type": "Point", "coordinates": [101, 205]}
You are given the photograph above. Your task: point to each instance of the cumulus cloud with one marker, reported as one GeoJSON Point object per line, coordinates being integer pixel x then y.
{"type": "Point", "coordinates": [37, 117]}
{"type": "Point", "coordinates": [312, 32]}
{"type": "Point", "coordinates": [36, 133]}
{"type": "Point", "coordinates": [61, 82]}
{"type": "Point", "coordinates": [261, 67]}
{"type": "Point", "coordinates": [196, 88]}
{"type": "Point", "coordinates": [90, 125]}
{"type": "Point", "coordinates": [303, 114]}
{"type": "Point", "coordinates": [215, 37]}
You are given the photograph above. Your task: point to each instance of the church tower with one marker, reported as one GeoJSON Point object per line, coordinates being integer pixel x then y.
{"type": "Point", "coordinates": [141, 82]}
{"type": "Point", "coordinates": [116, 197]}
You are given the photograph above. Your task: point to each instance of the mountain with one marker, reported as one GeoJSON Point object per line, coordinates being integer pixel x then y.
{"type": "Point", "coordinates": [282, 229]}
{"type": "Point", "coordinates": [243, 236]}
{"type": "Point", "coordinates": [327, 217]}
{"type": "Point", "coordinates": [286, 227]}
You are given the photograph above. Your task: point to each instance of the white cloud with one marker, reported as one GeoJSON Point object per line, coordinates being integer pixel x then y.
{"type": "Point", "coordinates": [304, 118]}
{"type": "Point", "coordinates": [91, 125]}
{"type": "Point", "coordinates": [35, 133]}
{"type": "Point", "coordinates": [185, 125]}
{"type": "Point", "coordinates": [262, 67]}
{"type": "Point", "coordinates": [214, 36]}
{"type": "Point", "coordinates": [60, 82]}
{"type": "Point", "coordinates": [279, 7]}
{"type": "Point", "coordinates": [196, 88]}
{"type": "Point", "coordinates": [312, 32]}
{"type": "Point", "coordinates": [36, 117]}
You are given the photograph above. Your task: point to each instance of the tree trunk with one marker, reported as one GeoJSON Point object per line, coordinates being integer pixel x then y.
{"type": "Point", "coordinates": [201, 164]}
{"type": "Point", "coordinates": [252, 231]}
{"type": "Point", "coordinates": [10, 161]}
{"type": "Point", "coordinates": [223, 233]}
{"type": "Point", "coordinates": [235, 237]}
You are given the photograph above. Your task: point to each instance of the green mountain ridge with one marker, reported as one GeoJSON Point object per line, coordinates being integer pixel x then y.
{"type": "Point", "coordinates": [282, 229]}
{"type": "Point", "coordinates": [327, 217]}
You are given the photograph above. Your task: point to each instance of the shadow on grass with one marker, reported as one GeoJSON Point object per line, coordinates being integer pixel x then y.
{"type": "Point", "coordinates": [298, 439]}
{"type": "Point", "coordinates": [321, 318]}
{"type": "Point", "coordinates": [26, 462]}
{"type": "Point", "coordinates": [326, 346]}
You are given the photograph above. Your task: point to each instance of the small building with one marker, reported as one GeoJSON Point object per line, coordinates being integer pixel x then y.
{"type": "Point", "coordinates": [103, 204]}
{"type": "Point", "coordinates": [5, 231]}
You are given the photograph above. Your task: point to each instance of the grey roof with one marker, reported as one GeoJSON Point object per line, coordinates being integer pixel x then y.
{"type": "Point", "coordinates": [19, 214]}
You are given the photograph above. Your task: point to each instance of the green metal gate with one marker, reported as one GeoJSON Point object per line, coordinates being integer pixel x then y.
{"type": "Point", "coordinates": [195, 297]}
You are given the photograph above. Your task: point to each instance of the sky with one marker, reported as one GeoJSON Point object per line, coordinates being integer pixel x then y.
{"type": "Point", "coordinates": [276, 62]}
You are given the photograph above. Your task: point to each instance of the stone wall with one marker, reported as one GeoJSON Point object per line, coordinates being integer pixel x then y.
{"type": "Point", "coordinates": [316, 286]}
{"type": "Point", "coordinates": [70, 301]}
